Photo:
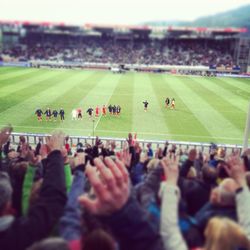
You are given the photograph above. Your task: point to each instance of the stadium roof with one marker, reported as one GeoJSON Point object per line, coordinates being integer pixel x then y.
{"type": "Point", "coordinates": [121, 32]}
{"type": "Point", "coordinates": [124, 27]}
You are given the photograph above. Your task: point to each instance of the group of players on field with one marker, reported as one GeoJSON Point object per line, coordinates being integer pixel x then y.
{"type": "Point", "coordinates": [113, 110]}
{"type": "Point", "coordinates": [77, 113]}
{"type": "Point", "coordinates": [169, 103]}
{"type": "Point", "coordinates": [50, 114]}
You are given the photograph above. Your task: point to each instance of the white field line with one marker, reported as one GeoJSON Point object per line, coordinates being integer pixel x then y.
{"type": "Point", "coordinates": [98, 120]}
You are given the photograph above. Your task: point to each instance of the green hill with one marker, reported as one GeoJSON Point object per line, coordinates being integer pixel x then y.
{"type": "Point", "coordinates": [235, 18]}
{"type": "Point", "coordinates": [239, 17]}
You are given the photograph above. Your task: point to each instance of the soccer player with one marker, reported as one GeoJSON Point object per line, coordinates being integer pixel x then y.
{"type": "Point", "coordinates": [104, 110]}
{"type": "Point", "coordinates": [74, 114]}
{"type": "Point", "coordinates": [61, 113]}
{"type": "Point", "coordinates": [173, 104]}
{"type": "Point", "coordinates": [79, 114]}
{"type": "Point", "coordinates": [167, 102]}
{"type": "Point", "coordinates": [110, 107]}
{"type": "Point", "coordinates": [39, 113]}
{"type": "Point", "coordinates": [97, 111]}
{"type": "Point", "coordinates": [90, 112]}
{"type": "Point", "coordinates": [145, 106]}
{"type": "Point", "coordinates": [55, 114]}
{"type": "Point", "coordinates": [118, 109]}
{"type": "Point", "coordinates": [114, 110]}
{"type": "Point", "coordinates": [48, 114]}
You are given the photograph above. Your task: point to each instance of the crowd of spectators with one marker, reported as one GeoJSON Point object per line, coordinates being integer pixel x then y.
{"type": "Point", "coordinates": [99, 197]}
{"type": "Point", "coordinates": [104, 50]}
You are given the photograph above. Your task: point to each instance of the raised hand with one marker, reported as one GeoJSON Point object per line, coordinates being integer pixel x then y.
{"type": "Point", "coordinates": [5, 134]}
{"type": "Point", "coordinates": [113, 145]}
{"type": "Point", "coordinates": [235, 168]}
{"type": "Point", "coordinates": [56, 141]}
{"type": "Point", "coordinates": [125, 156]}
{"type": "Point", "coordinates": [171, 169]}
{"type": "Point", "coordinates": [111, 187]}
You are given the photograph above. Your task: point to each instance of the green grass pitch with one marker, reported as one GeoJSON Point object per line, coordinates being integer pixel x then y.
{"type": "Point", "coordinates": [207, 109]}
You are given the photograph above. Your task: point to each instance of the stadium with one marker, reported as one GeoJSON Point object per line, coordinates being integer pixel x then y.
{"type": "Point", "coordinates": [152, 151]}
{"type": "Point", "coordinates": [158, 62]}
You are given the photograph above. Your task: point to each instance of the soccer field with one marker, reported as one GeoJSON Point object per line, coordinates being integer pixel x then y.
{"type": "Point", "coordinates": [207, 109]}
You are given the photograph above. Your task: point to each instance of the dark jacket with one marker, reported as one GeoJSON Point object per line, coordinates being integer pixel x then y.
{"type": "Point", "coordinates": [209, 211]}
{"type": "Point", "coordinates": [137, 173]}
{"type": "Point", "coordinates": [132, 228]}
{"type": "Point", "coordinates": [130, 225]}
{"type": "Point", "coordinates": [185, 168]}
{"type": "Point", "coordinates": [44, 214]}
{"type": "Point", "coordinates": [196, 194]}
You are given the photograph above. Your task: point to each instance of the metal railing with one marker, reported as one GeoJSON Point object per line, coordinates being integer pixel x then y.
{"type": "Point", "coordinates": [33, 138]}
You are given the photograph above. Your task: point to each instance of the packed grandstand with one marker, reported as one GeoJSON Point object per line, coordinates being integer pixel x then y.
{"type": "Point", "coordinates": [136, 45]}
{"type": "Point", "coordinates": [108, 50]}
{"type": "Point", "coordinates": [99, 196]}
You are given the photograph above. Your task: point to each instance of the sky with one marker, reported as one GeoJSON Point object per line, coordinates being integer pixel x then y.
{"type": "Point", "coordinates": [112, 11]}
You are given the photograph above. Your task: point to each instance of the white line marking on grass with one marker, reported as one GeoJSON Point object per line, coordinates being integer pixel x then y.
{"type": "Point", "coordinates": [122, 132]}
{"type": "Point", "coordinates": [98, 120]}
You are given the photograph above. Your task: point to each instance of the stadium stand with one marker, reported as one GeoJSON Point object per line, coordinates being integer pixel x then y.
{"type": "Point", "coordinates": [101, 50]}
{"type": "Point", "coordinates": [139, 198]}
{"type": "Point", "coordinates": [136, 45]}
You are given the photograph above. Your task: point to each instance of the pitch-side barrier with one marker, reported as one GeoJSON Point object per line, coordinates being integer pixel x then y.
{"type": "Point", "coordinates": [120, 142]}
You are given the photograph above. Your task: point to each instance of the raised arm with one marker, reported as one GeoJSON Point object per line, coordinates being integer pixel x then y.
{"type": "Point", "coordinates": [115, 206]}
{"type": "Point", "coordinates": [170, 232]}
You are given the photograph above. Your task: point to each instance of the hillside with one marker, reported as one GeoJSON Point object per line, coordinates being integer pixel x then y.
{"type": "Point", "coordinates": [239, 17]}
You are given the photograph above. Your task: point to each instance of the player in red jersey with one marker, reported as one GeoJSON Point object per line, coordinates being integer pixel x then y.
{"type": "Point", "coordinates": [97, 111]}
{"type": "Point", "coordinates": [104, 110]}
{"type": "Point", "coordinates": [173, 104]}
{"type": "Point", "coordinates": [79, 114]}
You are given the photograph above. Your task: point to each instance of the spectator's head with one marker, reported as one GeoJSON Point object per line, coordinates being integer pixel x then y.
{"type": "Point", "coordinates": [22, 139]}
{"type": "Point", "coordinates": [50, 244]}
{"type": "Point", "coordinates": [221, 171]}
{"type": "Point", "coordinates": [152, 164]}
{"type": "Point", "coordinates": [6, 194]}
{"type": "Point", "coordinates": [79, 147]}
{"type": "Point", "coordinates": [159, 153]}
{"type": "Point", "coordinates": [222, 233]}
{"type": "Point", "coordinates": [130, 136]}
{"type": "Point", "coordinates": [209, 174]}
{"type": "Point", "coordinates": [99, 240]}
{"type": "Point", "coordinates": [221, 153]}
{"type": "Point", "coordinates": [224, 194]}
